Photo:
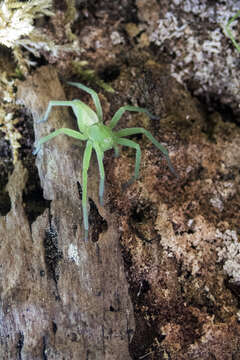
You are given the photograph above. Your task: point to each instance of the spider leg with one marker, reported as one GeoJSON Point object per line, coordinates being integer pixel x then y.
{"type": "Point", "coordinates": [69, 132]}
{"type": "Point", "coordinates": [86, 162]}
{"type": "Point", "coordinates": [94, 96]}
{"type": "Point", "coordinates": [229, 32]}
{"type": "Point", "coordinates": [116, 151]}
{"type": "Point", "coordinates": [54, 103]}
{"type": "Point", "coordinates": [132, 144]}
{"type": "Point", "coordinates": [118, 114]}
{"type": "Point", "coordinates": [101, 170]}
{"type": "Point", "coordinates": [133, 131]}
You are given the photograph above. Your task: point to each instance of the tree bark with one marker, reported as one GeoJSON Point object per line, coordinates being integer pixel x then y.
{"type": "Point", "coordinates": [61, 297]}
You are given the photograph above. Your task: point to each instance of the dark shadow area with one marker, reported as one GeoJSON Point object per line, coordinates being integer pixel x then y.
{"type": "Point", "coordinates": [6, 169]}
{"type": "Point", "coordinates": [33, 200]}
{"type": "Point", "coordinates": [109, 73]}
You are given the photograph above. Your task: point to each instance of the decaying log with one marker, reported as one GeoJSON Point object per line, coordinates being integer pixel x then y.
{"type": "Point", "coordinates": [61, 297]}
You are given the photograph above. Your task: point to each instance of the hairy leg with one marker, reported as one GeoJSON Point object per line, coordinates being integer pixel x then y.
{"type": "Point", "coordinates": [69, 132]}
{"type": "Point", "coordinates": [86, 162]}
{"type": "Point", "coordinates": [118, 114]}
{"type": "Point", "coordinates": [94, 97]}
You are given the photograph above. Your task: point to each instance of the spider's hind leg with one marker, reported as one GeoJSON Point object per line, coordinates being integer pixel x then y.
{"type": "Point", "coordinates": [116, 151]}
{"type": "Point", "coordinates": [99, 154]}
{"type": "Point", "coordinates": [134, 131]}
{"type": "Point", "coordinates": [132, 144]}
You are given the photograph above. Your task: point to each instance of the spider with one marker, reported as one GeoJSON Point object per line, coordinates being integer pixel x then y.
{"type": "Point", "coordinates": [99, 137]}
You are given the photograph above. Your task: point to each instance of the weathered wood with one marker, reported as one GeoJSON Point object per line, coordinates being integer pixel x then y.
{"type": "Point", "coordinates": [61, 297]}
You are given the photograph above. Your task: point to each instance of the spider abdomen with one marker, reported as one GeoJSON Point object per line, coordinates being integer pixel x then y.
{"type": "Point", "coordinates": [85, 114]}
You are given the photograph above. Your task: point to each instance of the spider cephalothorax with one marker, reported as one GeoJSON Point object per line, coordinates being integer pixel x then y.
{"type": "Point", "coordinates": [100, 138]}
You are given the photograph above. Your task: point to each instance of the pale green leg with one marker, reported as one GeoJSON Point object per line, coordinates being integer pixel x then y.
{"type": "Point", "coordinates": [133, 131]}
{"type": "Point", "coordinates": [229, 32]}
{"type": "Point", "coordinates": [116, 151]}
{"type": "Point", "coordinates": [54, 103]}
{"type": "Point", "coordinates": [86, 162]}
{"type": "Point", "coordinates": [69, 132]}
{"type": "Point", "coordinates": [94, 97]}
{"type": "Point", "coordinates": [118, 114]}
{"type": "Point", "coordinates": [132, 144]}
{"type": "Point", "coordinates": [101, 170]}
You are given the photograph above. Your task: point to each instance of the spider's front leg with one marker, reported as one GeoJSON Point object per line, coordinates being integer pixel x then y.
{"type": "Point", "coordinates": [54, 103]}
{"type": "Point", "coordinates": [119, 113]}
{"type": "Point", "coordinates": [75, 134]}
{"type": "Point", "coordinates": [86, 162]}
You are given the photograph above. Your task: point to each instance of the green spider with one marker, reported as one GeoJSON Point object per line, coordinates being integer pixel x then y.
{"type": "Point", "coordinates": [100, 138]}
